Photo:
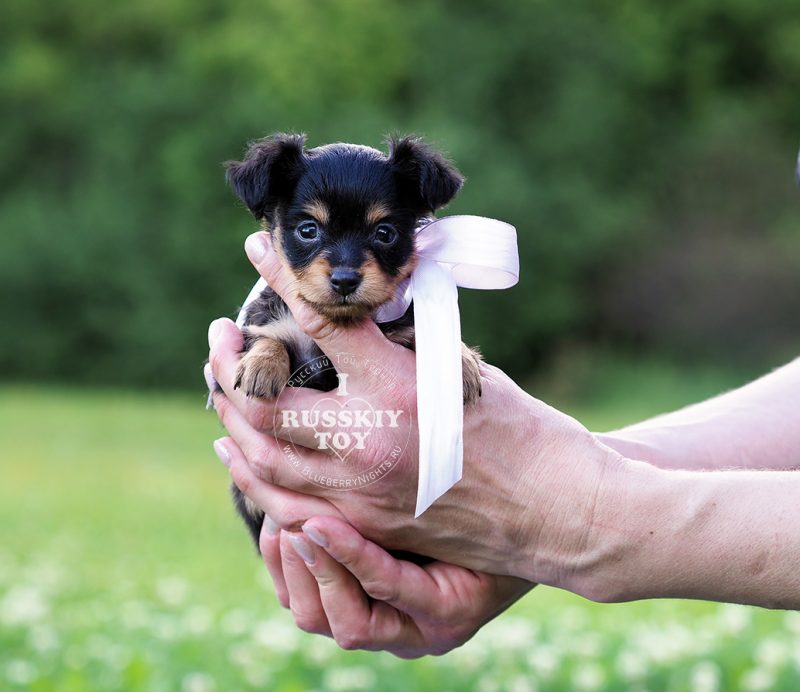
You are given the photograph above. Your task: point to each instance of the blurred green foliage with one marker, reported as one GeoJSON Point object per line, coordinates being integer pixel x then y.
{"type": "Point", "coordinates": [643, 150]}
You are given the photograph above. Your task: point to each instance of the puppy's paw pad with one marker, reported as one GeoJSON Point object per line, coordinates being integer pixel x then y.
{"type": "Point", "coordinates": [263, 372]}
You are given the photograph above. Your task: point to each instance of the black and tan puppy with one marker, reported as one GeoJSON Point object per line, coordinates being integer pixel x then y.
{"type": "Point", "coordinates": [342, 219]}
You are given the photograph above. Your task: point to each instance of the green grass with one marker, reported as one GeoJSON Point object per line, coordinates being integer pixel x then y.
{"type": "Point", "coordinates": [122, 566]}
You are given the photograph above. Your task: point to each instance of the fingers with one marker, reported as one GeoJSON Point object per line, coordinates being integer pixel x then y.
{"type": "Point", "coordinates": [304, 596]}
{"type": "Point", "coordinates": [225, 341]}
{"type": "Point", "coordinates": [274, 461]}
{"type": "Point", "coordinates": [270, 547]}
{"type": "Point", "coordinates": [401, 584]}
{"type": "Point", "coordinates": [355, 621]}
{"type": "Point", "coordinates": [363, 339]}
{"type": "Point", "coordinates": [288, 509]}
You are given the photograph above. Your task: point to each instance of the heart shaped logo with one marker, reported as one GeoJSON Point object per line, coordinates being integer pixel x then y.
{"type": "Point", "coordinates": [342, 425]}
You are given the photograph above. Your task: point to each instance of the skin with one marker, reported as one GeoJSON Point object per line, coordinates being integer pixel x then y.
{"type": "Point", "coordinates": [542, 500]}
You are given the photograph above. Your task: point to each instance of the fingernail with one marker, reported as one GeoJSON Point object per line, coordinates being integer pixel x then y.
{"type": "Point", "coordinates": [210, 381]}
{"type": "Point", "coordinates": [302, 548]}
{"type": "Point", "coordinates": [271, 527]}
{"type": "Point", "coordinates": [315, 536]}
{"type": "Point", "coordinates": [214, 330]}
{"type": "Point", "coordinates": [222, 452]}
{"type": "Point", "coordinates": [255, 247]}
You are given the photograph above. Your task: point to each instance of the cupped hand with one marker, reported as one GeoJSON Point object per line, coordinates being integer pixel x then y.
{"type": "Point", "coordinates": [337, 583]}
{"type": "Point", "coordinates": [532, 475]}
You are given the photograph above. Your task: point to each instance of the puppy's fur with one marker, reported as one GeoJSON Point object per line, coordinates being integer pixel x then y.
{"type": "Point", "coordinates": [342, 219]}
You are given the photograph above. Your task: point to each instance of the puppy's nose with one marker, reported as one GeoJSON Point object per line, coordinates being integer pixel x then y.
{"type": "Point", "coordinates": [345, 281]}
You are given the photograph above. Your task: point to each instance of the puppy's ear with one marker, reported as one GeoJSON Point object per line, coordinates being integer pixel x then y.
{"type": "Point", "coordinates": [428, 177]}
{"type": "Point", "coordinates": [270, 170]}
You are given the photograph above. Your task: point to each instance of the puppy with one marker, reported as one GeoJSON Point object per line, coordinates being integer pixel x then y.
{"type": "Point", "coordinates": [342, 219]}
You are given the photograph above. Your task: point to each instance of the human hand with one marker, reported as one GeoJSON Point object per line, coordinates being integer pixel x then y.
{"type": "Point", "coordinates": [531, 515]}
{"type": "Point", "coordinates": [337, 583]}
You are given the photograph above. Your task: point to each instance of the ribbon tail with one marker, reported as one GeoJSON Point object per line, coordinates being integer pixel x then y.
{"type": "Point", "coordinates": [440, 398]}
{"type": "Point", "coordinates": [255, 292]}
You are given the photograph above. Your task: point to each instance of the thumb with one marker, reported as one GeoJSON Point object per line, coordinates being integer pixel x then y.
{"type": "Point", "coordinates": [363, 339]}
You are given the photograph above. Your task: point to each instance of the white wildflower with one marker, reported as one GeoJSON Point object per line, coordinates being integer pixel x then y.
{"type": "Point", "coordinates": [172, 590]}
{"type": "Point", "coordinates": [757, 679]}
{"type": "Point", "coordinates": [573, 618]}
{"type": "Point", "coordinates": [257, 676]}
{"type": "Point", "coordinates": [772, 653]}
{"type": "Point", "coordinates": [197, 620]}
{"type": "Point", "coordinates": [469, 657]}
{"type": "Point", "coordinates": [164, 627]}
{"type": "Point", "coordinates": [587, 645]}
{"type": "Point", "coordinates": [705, 677]}
{"type": "Point", "coordinates": [667, 643]}
{"type": "Point", "coordinates": [488, 683]}
{"type": "Point", "coordinates": [110, 652]}
{"type": "Point", "coordinates": [320, 651]}
{"type": "Point", "coordinates": [278, 635]}
{"type": "Point", "coordinates": [19, 672]}
{"type": "Point", "coordinates": [588, 676]}
{"type": "Point", "coordinates": [544, 659]}
{"type": "Point", "coordinates": [236, 622]}
{"type": "Point", "coordinates": [734, 618]}
{"type": "Point", "coordinates": [514, 633]}
{"type": "Point", "coordinates": [242, 655]}
{"type": "Point", "coordinates": [791, 621]}
{"type": "Point", "coordinates": [43, 638]}
{"type": "Point", "coordinates": [522, 683]}
{"type": "Point", "coordinates": [47, 575]}
{"type": "Point", "coordinates": [351, 678]}
{"type": "Point", "coordinates": [23, 605]}
{"type": "Point", "coordinates": [631, 664]}
{"type": "Point", "coordinates": [198, 682]}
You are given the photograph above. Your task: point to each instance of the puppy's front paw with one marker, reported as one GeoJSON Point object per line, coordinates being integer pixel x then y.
{"type": "Point", "coordinates": [264, 370]}
{"type": "Point", "coordinates": [470, 361]}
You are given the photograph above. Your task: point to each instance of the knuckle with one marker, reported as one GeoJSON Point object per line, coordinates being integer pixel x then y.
{"type": "Point", "coordinates": [241, 478]}
{"type": "Point", "coordinates": [216, 361]}
{"type": "Point", "coordinates": [285, 513]}
{"type": "Point", "coordinates": [262, 464]}
{"type": "Point", "coordinates": [327, 580]}
{"type": "Point", "coordinates": [381, 591]}
{"type": "Point", "coordinates": [350, 641]}
{"type": "Point", "coordinates": [259, 416]}
{"type": "Point", "coordinates": [312, 623]}
{"type": "Point", "coordinates": [313, 324]}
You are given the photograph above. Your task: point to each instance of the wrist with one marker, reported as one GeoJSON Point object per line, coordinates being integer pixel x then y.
{"type": "Point", "coordinates": [640, 516]}
{"type": "Point", "coordinates": [565, 528]}
{"type": "Point", "coordinates": [627, 533]}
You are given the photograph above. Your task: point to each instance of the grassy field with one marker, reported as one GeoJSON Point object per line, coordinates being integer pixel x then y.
{"type": "Point", "coordinates": [122, 566]}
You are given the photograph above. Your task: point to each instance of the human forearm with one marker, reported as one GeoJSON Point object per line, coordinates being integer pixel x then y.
{"type": "Point", "coordinates": [724, 536]}
{"type": "Point", "coordinates": [755, 426]}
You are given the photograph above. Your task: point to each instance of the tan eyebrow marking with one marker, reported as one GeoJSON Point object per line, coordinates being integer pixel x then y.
{"type": "Point", "coordinates": [376, 212]}
{"type": "Point", "coordinates": [319, 211]}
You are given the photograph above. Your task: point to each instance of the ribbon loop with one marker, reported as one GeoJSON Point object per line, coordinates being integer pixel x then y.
{"type": "Point", "coordinates": [468, 251]}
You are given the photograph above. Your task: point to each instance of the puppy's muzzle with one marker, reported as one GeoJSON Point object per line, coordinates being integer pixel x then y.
{"type": "Point", "coordinates": [345, 281]}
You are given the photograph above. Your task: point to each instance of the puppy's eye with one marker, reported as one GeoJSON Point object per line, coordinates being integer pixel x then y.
{"type": "Point", "coordinates": [385, 234]}
{"type": "Point", "coordinates": [308, 230]}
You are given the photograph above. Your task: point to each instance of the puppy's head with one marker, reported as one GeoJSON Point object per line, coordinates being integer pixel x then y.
{"type": "Point", "coordinates": [342, 216]}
